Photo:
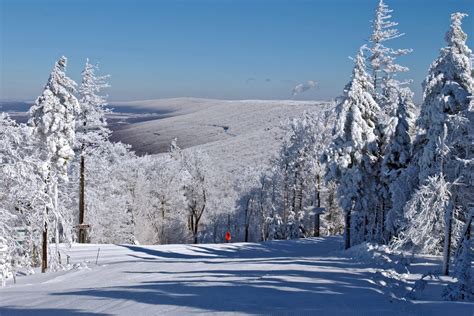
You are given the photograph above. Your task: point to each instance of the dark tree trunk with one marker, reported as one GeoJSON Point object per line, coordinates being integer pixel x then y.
{"type": "Point", "coordinates": [295, 190]}
{"type": "Point", "coordinates": [347, 235]}
{"type": "Point", "coordinates": [316, 225]}
{"type": "Point", "coordinates": [448, 251]}
{"type": "Point", "coordinates": [44, 257]}
{"type": "Point", "coordinates": [382, 224]}
{"type": "Point", "coordinates": [81, 231]}
{"type": "Point", "coordinates": [447, 241]}
{"type": "Point", "coordinates": [247, 220]}
{"type": "Point", "coordinates": [196, 229]}
{"type": "Point", "coordinates": [317, 221]}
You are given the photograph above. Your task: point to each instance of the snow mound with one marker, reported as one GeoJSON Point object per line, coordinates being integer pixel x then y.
{"type": "Point", "coordinates": [378, 255]}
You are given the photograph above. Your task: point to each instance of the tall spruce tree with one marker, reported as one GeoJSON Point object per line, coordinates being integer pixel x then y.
{"type": "Point", "coordinates": [397, 156]}
{"type": "Point", "coordinates": [444, 154]}
{"type": "Point", "coordinates": [353, 154]}
{"type": "Point", "coordinates": [53, 120]}
{"type": "Point", "coordinates": [382, 58]}
{"type": "Point", "coordinates": [91, 129]}
{"type": "Point", "coordinates": [395, 101]}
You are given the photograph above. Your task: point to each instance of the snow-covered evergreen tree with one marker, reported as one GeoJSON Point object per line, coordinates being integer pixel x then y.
{"type": "Point", "coordinates": [447, 92]}
{"type": "Point", "coordinates": [382, 58]}
{"type": "Point", "coordinates": [425, 217]}
{"type": "Point", "coordinates": [91, 122]}
{"type": "Point", "coordinates": [53, 120]}
{"type": "Point", "coordinates": [353, 154]}
{"type": "Point", "coordinates": [397, 155]}
{"type": "Point", "coordinates": [91, 128]}
{"type": "Point", "coordinates": [444, 147]}
{"type": "Point", "coordinates": [22, 196]}
{"type": "Point", "coordinates": [15, 193]}
{"type": "Point", "coordinates": [396, 103]}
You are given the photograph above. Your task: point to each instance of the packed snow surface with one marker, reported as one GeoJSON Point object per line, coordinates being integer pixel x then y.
{"type": "Point", "coordinates": [307, 276]}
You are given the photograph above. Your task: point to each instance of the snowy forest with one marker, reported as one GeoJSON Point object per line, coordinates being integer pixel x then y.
{"type": "Point", "coordinates": [371, 166]}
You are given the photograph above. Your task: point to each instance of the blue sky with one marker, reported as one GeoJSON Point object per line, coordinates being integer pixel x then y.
{"type": "Point", "coordinates": [210, 48]}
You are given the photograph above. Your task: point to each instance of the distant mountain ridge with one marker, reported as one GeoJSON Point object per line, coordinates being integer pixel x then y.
{"type": "Point", "coordinates": [24, 106]}
{"type": "Point", "coordinates": [15, 106]}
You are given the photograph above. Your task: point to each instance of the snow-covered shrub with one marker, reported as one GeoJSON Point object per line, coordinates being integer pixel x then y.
{"type": "Point", "coordinates": [294, 225]}
{"type": "Point", "coordinates": [6, 269]}
{"type": "Point", "coordinates": [276, 228]}
{"type": "Point", "coordinates": [425, 218]}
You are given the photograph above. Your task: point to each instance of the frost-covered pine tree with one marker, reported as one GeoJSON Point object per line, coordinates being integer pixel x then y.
{"type": "Point", "coordinates": [397, 156]}
{"type": "Point", "coordinates": [353, 153]}
{"type": "Point", "coordinates": [424, 217]}
{"type": "Point", "coordinates": [444, 153]}
{"type": "Point", "coordinates": [91, 128]}
{"type": "Point", "coordinates": [53, 120]}
{"type": "Point", "coordinates": [448, 89]}
{"type": "Point", "coordinates": [91, 122]}
{"type": "Point", "coordinates": [382, 58]}
{"type": "Point", "coordinates": [21, 198]}
{"type": "Point", "coordinates": [391, 96]}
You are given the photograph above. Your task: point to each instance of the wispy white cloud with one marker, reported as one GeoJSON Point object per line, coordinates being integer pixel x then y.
{"type": "Point", "coordinates": [302, 87]}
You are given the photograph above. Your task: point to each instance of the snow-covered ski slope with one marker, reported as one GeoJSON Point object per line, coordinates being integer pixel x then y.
{"type": "Point", "coordinates": [309, 276]}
